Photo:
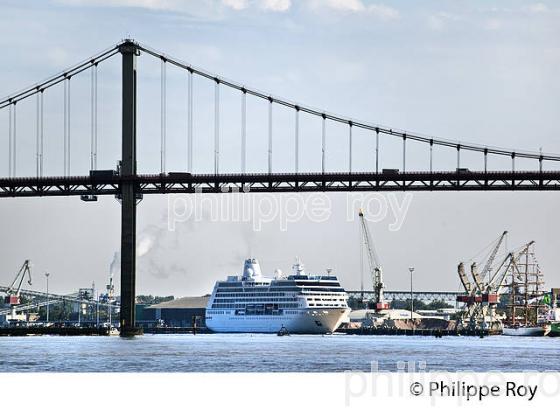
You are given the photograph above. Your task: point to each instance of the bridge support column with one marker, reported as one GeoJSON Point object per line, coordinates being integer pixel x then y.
{"type": "Point", "coordinates": [128, 192]}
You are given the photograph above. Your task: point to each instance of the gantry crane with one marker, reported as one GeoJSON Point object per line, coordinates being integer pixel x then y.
{"type": "Point", "coordinates": [374, 265]}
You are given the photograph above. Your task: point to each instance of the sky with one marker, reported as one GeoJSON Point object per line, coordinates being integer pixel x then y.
{"type": "Point", "coordinates": [477, 71]}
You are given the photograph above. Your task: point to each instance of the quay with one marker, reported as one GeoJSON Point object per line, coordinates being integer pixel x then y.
{"type": "Point", "coordinates": [53, 331]}
{"type": "Point", "coordinates": [91, 331]}
{"type": "Point", "coordinates": [176, 330]}
{"type": "Point", "coordinates": [417, 332]}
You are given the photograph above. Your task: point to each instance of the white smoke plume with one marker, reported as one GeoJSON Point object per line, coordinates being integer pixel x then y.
{"type": "Point", "coordinates": [145, 244]}
{"type": "Point", "coordinates": [115, 268]}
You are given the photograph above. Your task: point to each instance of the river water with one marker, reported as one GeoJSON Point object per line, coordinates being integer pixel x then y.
{"type": "Point", "coordinates": [270, 353]}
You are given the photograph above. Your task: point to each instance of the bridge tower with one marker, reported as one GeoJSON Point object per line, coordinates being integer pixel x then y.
{"type": "Point", "coordinates": [129, 51]}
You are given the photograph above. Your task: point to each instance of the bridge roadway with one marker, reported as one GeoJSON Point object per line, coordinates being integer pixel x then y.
{"type": "Point", "coordinates": [174, 183]}
{"type": "Point", "coordinates": [404, 295]}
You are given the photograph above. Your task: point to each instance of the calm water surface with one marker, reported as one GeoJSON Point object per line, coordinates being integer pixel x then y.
{"type": "Point", "coordinates": [270, 353]}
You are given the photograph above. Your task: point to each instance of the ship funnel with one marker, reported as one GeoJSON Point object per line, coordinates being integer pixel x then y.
{"type": "Point", "coordinates": [251, 269]}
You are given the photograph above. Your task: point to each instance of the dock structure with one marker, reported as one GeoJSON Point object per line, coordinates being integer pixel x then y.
{"type": "Point", "coordinates": [53, 331]}
{"type": "Point", "coordinates": [417, 332]}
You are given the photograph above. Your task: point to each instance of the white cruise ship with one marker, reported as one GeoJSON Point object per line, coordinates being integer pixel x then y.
{"type": "Point", "coordinates": [299, 302]}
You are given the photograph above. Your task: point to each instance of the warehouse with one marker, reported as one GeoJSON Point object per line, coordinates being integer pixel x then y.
{"type": "Point", "coordinates": [182, 312]}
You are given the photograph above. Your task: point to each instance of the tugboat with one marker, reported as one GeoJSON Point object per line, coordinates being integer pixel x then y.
{"type": "Point", "coordinates": [283, 331]}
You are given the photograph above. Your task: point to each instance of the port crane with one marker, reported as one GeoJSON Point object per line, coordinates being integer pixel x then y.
{"type": "Point", "coordinates": [13, 292]}
{"type": "Point", "coordinates": [374, 265]}
{"type": "Point", "coordinates": [490, 295]}
{"type": "Point", "coordinates": [511, 260]}
{"type": "Point", "coordinates": [482, 297]}
{"type": "Point", "coordinates": [477, 295]}
{"type": "Point", "coordinates": [479, 277]}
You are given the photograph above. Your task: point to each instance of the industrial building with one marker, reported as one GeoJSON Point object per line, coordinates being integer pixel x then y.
{"type": "Point", "coordinates": [182, 312]}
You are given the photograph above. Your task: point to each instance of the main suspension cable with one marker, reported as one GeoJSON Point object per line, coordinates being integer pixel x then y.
{"type": "Point", "coordinates": [342, 119]}
{"type": "Point", "coordinates": [60, 77]}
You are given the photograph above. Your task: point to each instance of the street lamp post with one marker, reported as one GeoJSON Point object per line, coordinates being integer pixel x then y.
{"type": "Point", "coordinates": [411, 269]}
{"type": "Point", "coordinates": [97, 309]}
{"type": "Point", "coordinates": [47, 274]}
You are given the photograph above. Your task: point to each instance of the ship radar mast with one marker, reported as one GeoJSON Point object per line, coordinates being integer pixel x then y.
{"type": "Point", "coordinates": [298, 267]}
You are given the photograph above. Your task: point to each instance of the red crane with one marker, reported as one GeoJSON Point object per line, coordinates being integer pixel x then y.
{"type": "Point", "coordinates": [13, 297]}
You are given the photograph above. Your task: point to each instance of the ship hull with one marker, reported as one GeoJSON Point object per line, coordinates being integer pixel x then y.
{"type": "Point", "coordinates": [524, 331]}
{"type": "Point", "coordinates": [304, 321]}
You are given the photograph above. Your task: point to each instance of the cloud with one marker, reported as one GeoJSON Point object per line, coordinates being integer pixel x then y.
{"type": "Point", "coordinates": [346, 5]}
{"type": "Point", "coordinates": [59, 57]}
{"type": "Point", "coordinates": [493, 24]}
{"type": "Point", "coordinates": [236, 4]}
{"type": "Point", "coordinates": [267, 5]}
{"type": "Point", "coordinates": [147, 4]}
{"type": "Point", "coordinates": [384, 12]}
{"type": "Point", "coordinates": [439, 21]}
{"type": "Point", "coordinates": [207, 9]}
{"type": "Point", "coordinates": [189, 5]}
{"type": "Point", "coordinates": [538, 8]}
{"type": "Point", "coordinates": [276, 5]}
{"type": "Point", "coordinates": [357, 6]}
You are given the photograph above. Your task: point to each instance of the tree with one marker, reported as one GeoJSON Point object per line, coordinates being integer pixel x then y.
{"type": "Point", "coordinates": [153, 300]}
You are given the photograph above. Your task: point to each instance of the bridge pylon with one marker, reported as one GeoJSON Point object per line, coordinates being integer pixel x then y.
{"type": "Point", "coordinates": [129, 51]}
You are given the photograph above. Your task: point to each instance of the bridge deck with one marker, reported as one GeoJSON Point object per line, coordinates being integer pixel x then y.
{"type": "Point", "coordinates": [283, 182]}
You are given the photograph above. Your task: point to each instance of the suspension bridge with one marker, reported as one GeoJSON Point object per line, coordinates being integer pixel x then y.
{"type": "Point", "coordinates": [129, 186]}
